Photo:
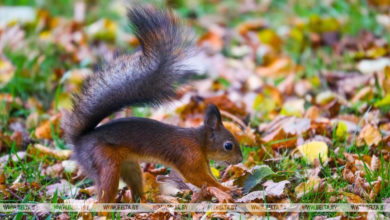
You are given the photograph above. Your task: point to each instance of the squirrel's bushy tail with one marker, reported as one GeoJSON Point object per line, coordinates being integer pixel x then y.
{"type": "Point", "coordinates": [145, 77]}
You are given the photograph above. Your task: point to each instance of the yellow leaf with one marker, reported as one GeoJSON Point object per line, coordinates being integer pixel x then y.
{"type": "Point", "coordinates": [45, 35]}
{"type": "Point", "coordinates": [314, 150]}
{"type": "Point", "coordinates": [215, 172]}
{"type": "Point", "coordinates": [341, 130]}
{"type": "Point", "coordinates": [269, 37]}
{"type": "Point", "coordinates": [40, 151]}
{"type": "Point", "coordinates": [64, 101]}
{"type": "Point", "coordinates": [7, 71]}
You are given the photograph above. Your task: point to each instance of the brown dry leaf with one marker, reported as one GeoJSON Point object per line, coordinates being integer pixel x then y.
{"type": "Point", "coordinates": [63, 187]}
{"type": "Point", "coordinates": [375, 188]}
{"type": "Point", "coordinates": [313, 112]}
{"type": "Point", "coordinates": [283, 131]}
{"type": "Point", "coordinates": [195, 109]}
{"type": "Point", "coordinates": [333, 108]}
{"type": "Point", "coordinates": [234, 172]}
{"type": "Point", "coordinates": [256, 209]}
{"type": "Point", "coordinates": [370, 134]}
{"type": "Point", "coordinates": [364, 94]}
{"type": "Point", "coordinates": [223, 102]}
{"type": "Point", "coordinates": [353, 198]}
{"type": "Point", "coordinates": [200, 195]}
{"type": "Point", "coordinates": [313, 183]}
{"type": "Point", "coordinates": [206, 193]}
{"type": "Point", "coordinates": [151, 186]}
{"type": "Point", "coordinates": [211, 39]}
{"type": "Point", "coordinates": [279, 139]}
{"type": "Point", "coordinates": [275, 191]}
{"type": "Point", "coordinates": [2, 185]}
{"type": "Point", "coordinates": [348, 175]}
{"type": "Point", "coordinates": [253, 197]}
{"type": "Point", "coordinates": [42, 151]}
{"type": "Point", "coordinates": [17, 136]}
{"type": "Point", "coordinates": [279, 67]}
{"type": "Point", "coordinates": [251, 159]}
{"type": "Point", "coordinates": [250, 25]}
{"type": "Point", "coordinates": [167, 199]}
{"type": "Point", "coordinates": [44, 130]}
{"type": "Point", "coordinates": [56, 170]}
{"type": "Point", "coordinates": [246, 137]}
{"type": "Point", "coordinates": [221, 196]}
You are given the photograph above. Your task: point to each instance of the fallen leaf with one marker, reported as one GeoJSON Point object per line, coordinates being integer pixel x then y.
{"type": "Point", "coordinates": [325, 97]}
{"type": "Point", "coordinates": [353, 198]}
{"type": "Point", "coordinates": [44, 130]}
{"type": "Point", "coordinates": [151, 186]}
{"type": "Point", "coordinates": [269, 37]}
{"type": "Point", "coordinates": [63, 187]}
{"type": "Point", "coordinates": [293, 108]}
{"type": "Point", "coordinates": [215, 172]}
{"type": "Point", "coordinates": [235, 172]}
{"type": "Point", "coordinates": [370, 134]}
{"type": "Point", "coordinates": [313, 183]}
{"type": "Point", "coordinates": [245, 137]}
{"type": "Point", "coordinates": [6, 71]}
{"type": "Point", "coordinates": [253, 197]}
{"type": "Point", "coordinates": [313, 112]}
{"type": "Point", "coordinates": [212, 40]}
{"type": "Point", "coordinates": [372, 66]}
{"type": "Point", "coordinates": [221, 196]}
{"type": "Point", "coordinates": [314, 150]}
{"type": "Point", "coordinates": [279, 67]}
{"type": "Point", "coordinates": [341, 130]}
{"type": "Point", "coordinates": [250, 25]}
{"type": "Point", "coordinates": [42, 151]}
{"type": "Point", "coordinates": [258, 173]}
{"type": "Point", "coordinates": [274, 190]}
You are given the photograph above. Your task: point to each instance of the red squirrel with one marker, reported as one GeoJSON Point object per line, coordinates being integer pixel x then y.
{"type": "Point", "coordinates": [114, 150]}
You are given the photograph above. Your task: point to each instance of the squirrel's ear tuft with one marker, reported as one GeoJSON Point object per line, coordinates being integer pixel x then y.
{"type": "Point", "coordinates": [213, 117]}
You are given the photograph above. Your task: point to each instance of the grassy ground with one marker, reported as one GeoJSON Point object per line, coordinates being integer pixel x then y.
{"type": "Point", "coordinates": [324, 43]}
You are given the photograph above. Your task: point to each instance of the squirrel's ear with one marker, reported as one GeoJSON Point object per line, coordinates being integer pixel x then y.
{"type": "Point", "coordinates": [213, 117]}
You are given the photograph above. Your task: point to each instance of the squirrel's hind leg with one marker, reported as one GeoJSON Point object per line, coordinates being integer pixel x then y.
{"type": "Point", "coordinates": [132, 175]}
{"type": "Point", "coordinates": [108, 184]}
{"type": "Point", "coordinates": [108, 164]}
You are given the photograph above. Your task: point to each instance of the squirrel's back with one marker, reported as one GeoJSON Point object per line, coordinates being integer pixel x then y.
{"type": "Point", "coordinates": [146, 77]}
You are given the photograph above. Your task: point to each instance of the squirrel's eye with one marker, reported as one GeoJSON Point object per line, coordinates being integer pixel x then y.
{"type": "Point", "coordinates": [228, 145]}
